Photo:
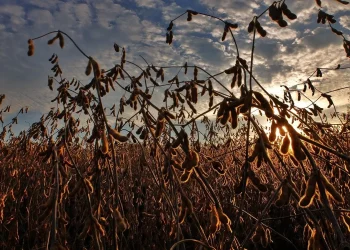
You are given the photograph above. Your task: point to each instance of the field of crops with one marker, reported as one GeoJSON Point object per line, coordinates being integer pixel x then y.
{"type": "Point", "coordinates": [249, 171]}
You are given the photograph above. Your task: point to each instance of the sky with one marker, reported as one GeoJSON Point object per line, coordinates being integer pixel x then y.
{"type": "Point", "coordinates": [285, 56]}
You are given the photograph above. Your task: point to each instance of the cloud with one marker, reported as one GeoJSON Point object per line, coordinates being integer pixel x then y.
{"type": "Point", "coordinates": [12, 16]}
{"type": "Point", "coordinates": [40, 18]}
{"type": "Point", "coordinates": [83, 14]}
{"type": "Point", "coordinates": [345, 21]}
{"type": "Point", "coordinates": [149, 3]}
{"type": "Point", "coordinates": [286, 56]}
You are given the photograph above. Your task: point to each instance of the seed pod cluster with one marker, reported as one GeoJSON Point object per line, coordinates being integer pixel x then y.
{"type": "Point", "coordinates": [163, 115]}
{"type": "Point", "coordinates": [227, 113]}
{"type": "Point", "coordinates": [227, 27]}
{"type": "Point", "coordinates": [276, 13]}
{"type": "Point", "coordinates": [132, 101]}
{"type": "Point", "coordinates": [236, 70]}
{"type": "Point", "coordinates": [258, 152]}
{"type": "Point", "coordinates": [60, 38]}
{"type": "Point", "coordinates": [190, 13]}
{"type": "Point", "coordinates": [169, 37]}
{"type": "Point", "coordinates": [247, 102]}
{"type": "Point", "coordinates": [255, 24]}
{"type": "Point", "coordinates": [296, 143]}
{"type": "Point", "coordinates": [322, 17]}
{"type": "Point", "coordinates": [264, 104]}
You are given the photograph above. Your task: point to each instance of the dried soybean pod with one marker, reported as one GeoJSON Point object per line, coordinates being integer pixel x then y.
{"type": "Point", "coordinates": [60, 39]}
{"type": "Point", "coordinates": [214, 221]}
{"type": "Point", "coordinates": [52, 40]}
{"type": "Point", "coordinates": [256, 182]}
{"type": "Point", "coordinates": [182, 214]}
{"type": "Point", "coordinates": [89, 185]}
{"type": "Point", "coordinates": [104, 147]}
{"type": "Point", "coordinates": [272, 136]}
{"type": "Point", "coordinates": [311, 241]}
{"type": "Point", "coordinates": [117, 136]}
{"type": "Point", "coordinates": [160, 127]}
{"type": "Point", "coordinates": [346, 220]}
{"type": "Point", "coordinates": [268, 236]}
{"type": "Point", "coordinates": [316, 242]}
{"type": "Point", "coordinates": [238, 187]}
{"type": "Point", "coordinates": [294, 160]}
{"type": "Point", "coordinates": [307, 198]}
{"type": "Point", "coordinates": [285, 145]}
{"type": "Point", "coordinates": [49, 202]}
{"type": "Point", "coordinates": [96, 68]}
{"type": "Point", "coordinates": [139, 130]}
{"type": "Point", "coordinates": [281, 130]}
{"type": "Point", "coordinates": [218, 167]}
{"type": "Point", "coordinates": [187, 203]}
{"type": "Point", "coordinates": [98, 226]}
{"type": "Point", "coordinates": [186, 175]}
{"type": "Point", "coordinates": [169, 115]}
{"type": "Point", "coordinates": [221, 110]}
{"type": "Point", "coordinates": [86, 229]}
{"type": "Point", "coordinates": [224, 219]}
{"type": "Point", "coordinates": [306, 232]}
{"type": "Point", "coordinates": [234, 117]}
{"type": "Point", "coordinates": [283, 196]}
{"type": "Point", "coordinates": [194, 158]}
{"type": "Point", "coordinates": [211, 101]}
{"type": "Point", "coordinates": [251, 26]}
{"type": "Point", "coordinates": [30, 47]}
{"type": "Point", "coordinates": [296, 144]}
{"type": "Point", "coordinates": [224, 119]}
{"type": "Point", "coordinates": [176, 164]}
{"type": "Point", "coordinates": [88, 69]}
{"type": "Point", "coordinates": [258, 234]}
{"type": "Point", "coordinates": [264, 104]}
{"type": "Point", "coordinates": [247, 103]}
{"type": "Point", "coordinates": [331, 189]}
{"type": "Point", "coordinates": [210, 88]}
{"type": "Point", "coordinates": [194, 93]}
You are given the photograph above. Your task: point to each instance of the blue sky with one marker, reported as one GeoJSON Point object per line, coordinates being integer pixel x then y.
{"type": "Point", "coordinates": [286, 56]}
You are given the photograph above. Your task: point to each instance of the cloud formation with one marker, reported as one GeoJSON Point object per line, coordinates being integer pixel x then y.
{"type": "Point", "coordinates": [286, 56]}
